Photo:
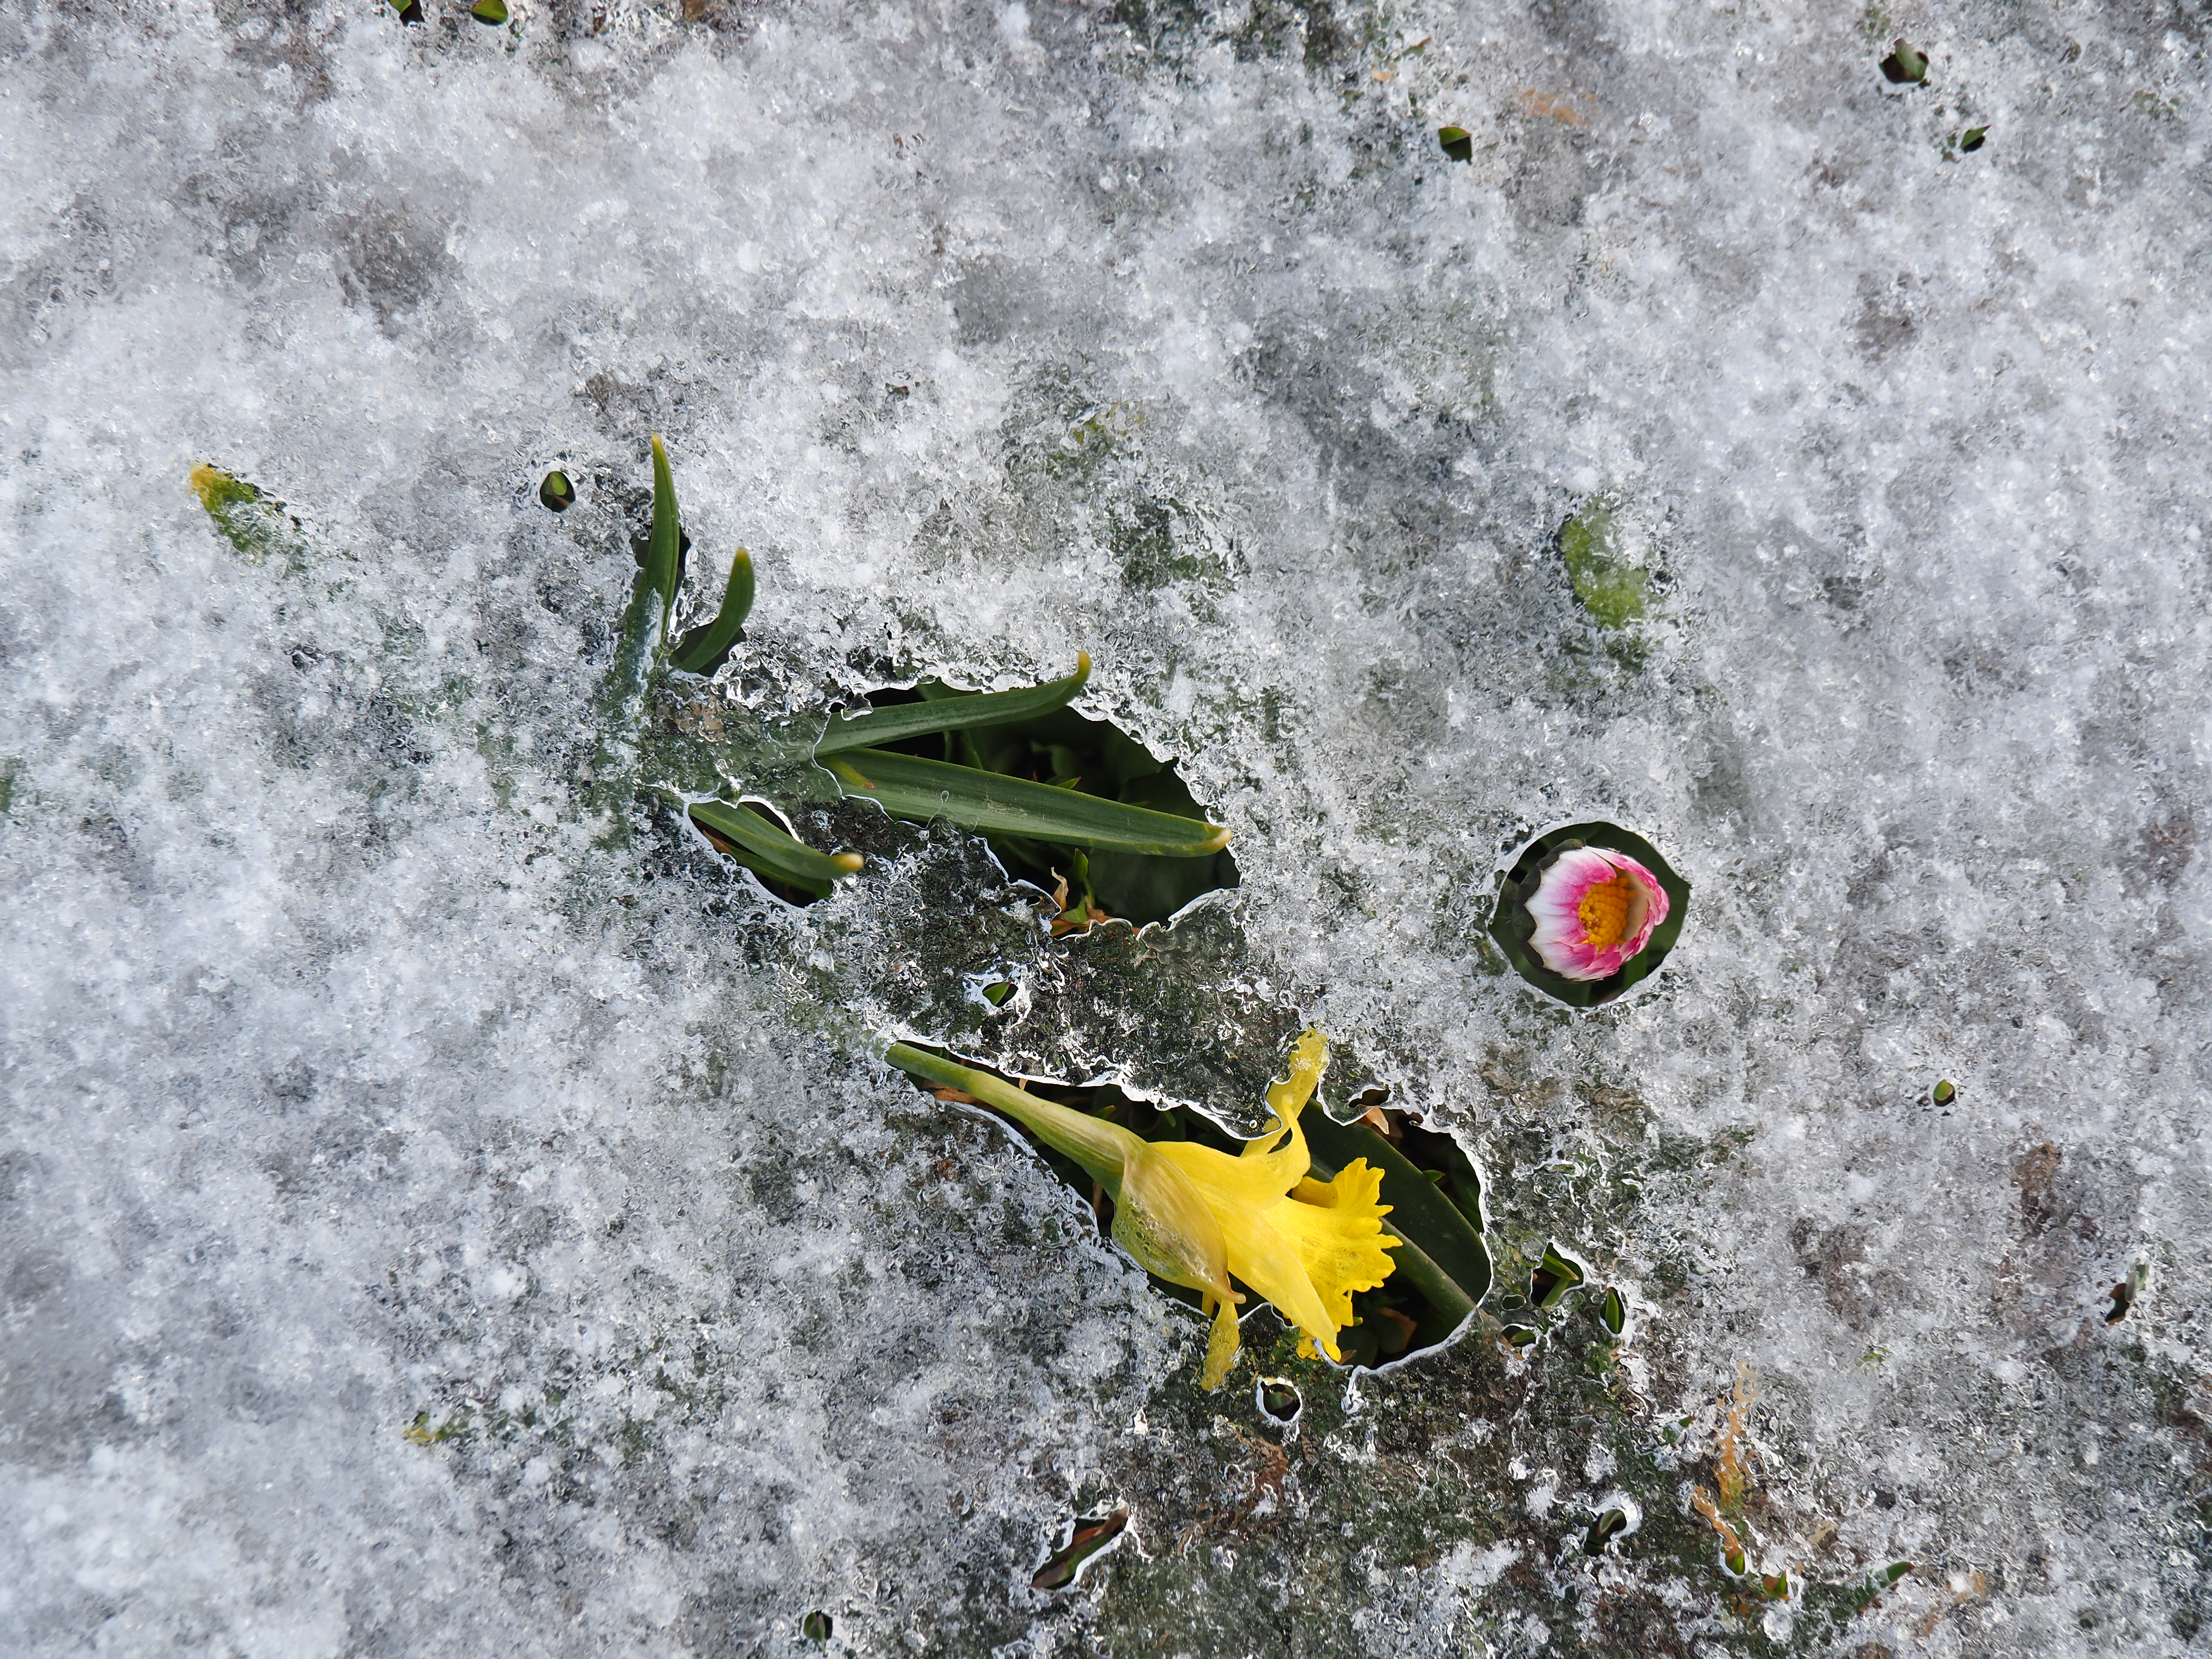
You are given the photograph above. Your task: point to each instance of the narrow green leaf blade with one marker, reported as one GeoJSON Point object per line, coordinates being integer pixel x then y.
{"type": "Point", "coordinates": [911, 788]}
{"type": "Point", "coordinates": [701, 650]}
{"type": "Point", "coordinates": [793, 860]}
{"type": "Point", "coordinates": [660, 560]}
{"type": "Point", "coordinates": [1419, 1213]}
{"type": "Point", "coordinates": [955, 714]}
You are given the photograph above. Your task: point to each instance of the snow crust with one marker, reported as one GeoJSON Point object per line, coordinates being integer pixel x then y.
{"type": "Point", "coordinates": [441, 1216]}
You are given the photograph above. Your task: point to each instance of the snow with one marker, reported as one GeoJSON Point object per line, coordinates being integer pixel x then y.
{"type": "Point", "coordinates": [440, 1213]}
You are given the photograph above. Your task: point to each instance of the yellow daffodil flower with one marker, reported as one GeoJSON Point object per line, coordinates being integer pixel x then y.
{"type": "Point", "coordinates": [1200, 1218]}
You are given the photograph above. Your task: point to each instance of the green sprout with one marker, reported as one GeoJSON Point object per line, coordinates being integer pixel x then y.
{"type": "Point", "coordinates": [1019, 767]}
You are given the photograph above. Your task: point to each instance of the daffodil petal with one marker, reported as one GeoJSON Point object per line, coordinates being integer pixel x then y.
{"type": "Point", "coordinates": [1222, 1343]}
{"type": "Point", "coordinates": [1337, 1235]}
{"type": "Point", "coordinates": [1246, 1183]}
{"type": "Point", "coordinates": [1309, 1056]}
{"type": "Point", "coordinates": [1264, 1259]}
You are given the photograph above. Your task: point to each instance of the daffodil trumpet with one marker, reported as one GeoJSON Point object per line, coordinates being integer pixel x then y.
{"type": "Point", "coordinates": [1206, 1219]}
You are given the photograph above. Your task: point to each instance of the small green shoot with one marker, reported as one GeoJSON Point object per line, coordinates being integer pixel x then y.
{"type": "Point", "coordinates": [1608, 1526]}
{"type": "Point", "coordinates": [701, 650]}
{"type": "Point", "coordinates": [1088, 1536]}
{"type": "Point", "coordinates": [818, 1624]}
{"type": "Point", "coordinates": [1457, 143]}
{"type": "Point", "coordinates": [1906, 67]}
{"type": "Point", "coordinates": [1553, 1279]}
{"type": "Point", "coordinates": [556, 493]}
{"type": "Point", "coordinates": [1612, 1312]}
{"type": "Point", "coordinates": [662, 568]}
{"type": "Point", "coordinates": [493, 12]}
{"type": "Point", "coordinates": [1972, 139]}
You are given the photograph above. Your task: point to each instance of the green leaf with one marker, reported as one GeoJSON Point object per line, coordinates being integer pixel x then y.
{"type": "Point", "coordinates": [1151, 888]}
{"type": "Point", "coordinates": [251, 521]}
{"type": "Point", "coordinates": [490, 11]}
{"type": "Point", "coordinates": [1607, 1527]}
{"type": "Point", "coordinates": [1430, 1223]}
{"type": "Point", "coordinates": [1971, 139]}
{"type": "Point", "coordinates": [1457, 142]}
{"type": "Point", "coordinates": [1612, 1312]}
{"type": "Point", "coordinates": [1087, 1537]}
{"type": "Point", "coordinates": [666, 548]}
{"type": "Point", "coordinates": [556, 493]}
{"type": "Point", "coordinates": [958, 713]}
{"type": "Point", "coordinates": [701, 650]}
{"type": "Point", "coordinates": [911, 788]}
{"type": "Point", "coordinates": [762, 847]}
{"type": "Point", "coordinates": [1553, 1279]}
{"type": "Point", "coordinates": [1904, 66]}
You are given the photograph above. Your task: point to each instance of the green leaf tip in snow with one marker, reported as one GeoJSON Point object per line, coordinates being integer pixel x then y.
{"type": "Point", "coordinates": [1906, 67]}
{"type": "Point", "coordinates": [252, 522]}
{"type": "Point", "coordinates": [958, 713]}
{"type": "Point", "coordinates": [909, 787]}
{"type": "Point", "coordinates": [556, 493]}
{"type": "Point", "coordinates": [490, 11]}
{"type": "Point", "coordinates": [1970, 140]}
{"type": "Point", "coordinates": [1609, 584]}
{"type": "Point", "coordinates": [1553, 1279]}
{"type": "Point", "coordinates": [701, 650]}
{"type": "Point", "coordinates": [1607, 1527]}
{"type": "Point", "coordinates": [749, 837]}
{"type": "Point", "coordinates": [662, 568]}
{"type": "Point", "coordinates": [1457, 143]}
{"type": "Point", "coordinates": [1612, 1313]}
{"type": "Point", "coordinates": [1086, 1538]}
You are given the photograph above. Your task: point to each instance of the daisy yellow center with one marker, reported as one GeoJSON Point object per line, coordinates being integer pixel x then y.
{"type": "Point", "coordinates": [1604, 911]}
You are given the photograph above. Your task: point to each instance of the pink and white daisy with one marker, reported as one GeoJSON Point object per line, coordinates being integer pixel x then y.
{"type": "Point", "coordinates": [1594, 909]}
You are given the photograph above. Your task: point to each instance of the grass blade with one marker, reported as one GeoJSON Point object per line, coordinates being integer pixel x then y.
{"type": "Point", "coordinates": [766, 848]}
{"type": "Point", "coordinates": [958, 713]}
{"type": "Point", "coordinates": [701, 650]}
{"type": "Point", "coordinates": [910, 787]}
{"type": "Point", "coordinates": [1419, 1213]}
{"type": "Point", "coordinates": [666, 548]}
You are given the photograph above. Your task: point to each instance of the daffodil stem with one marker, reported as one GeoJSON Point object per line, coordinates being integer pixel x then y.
{"type": "Point", "coordinates": [1098, 1146]}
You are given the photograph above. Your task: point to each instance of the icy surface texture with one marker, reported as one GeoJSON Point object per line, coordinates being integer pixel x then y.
{"type": "Point", "coordinates": [444, 1210]}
